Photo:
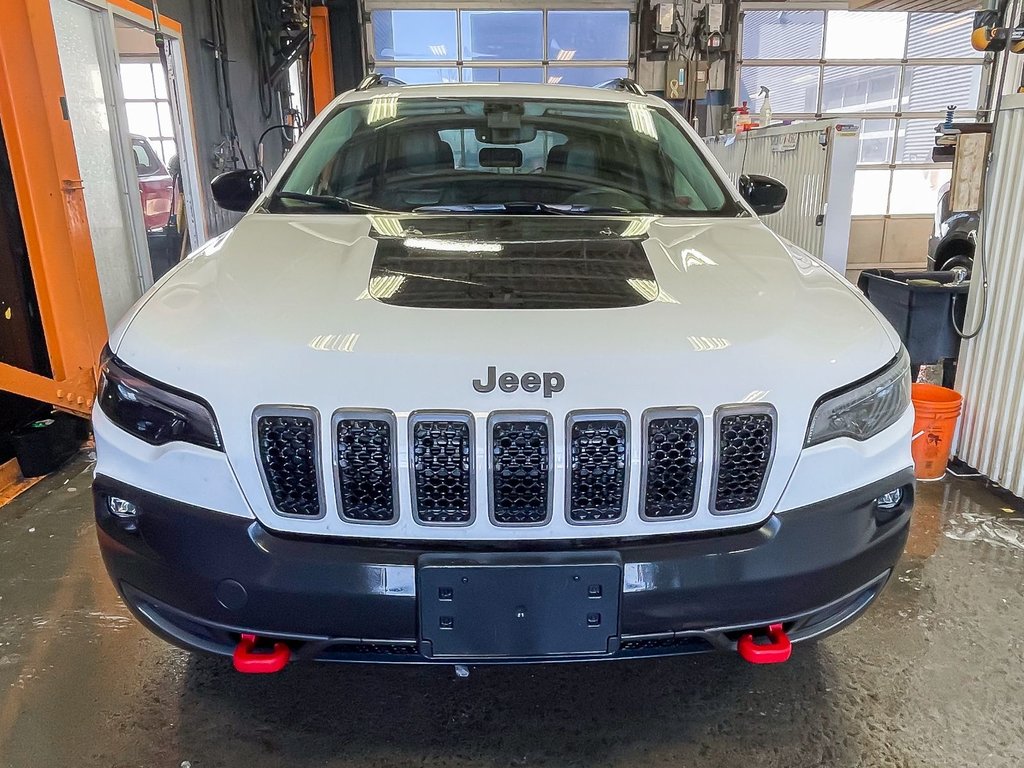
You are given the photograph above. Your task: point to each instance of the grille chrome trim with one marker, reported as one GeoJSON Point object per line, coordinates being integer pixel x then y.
{"type": "Point", "coordinates": [368, 414]}
{"type": "Point", "coordinates": [461, 417]}
{"type": "Point", "coordinates": [657, 414]}
{"type": "Point", "coordinates": [292, 411]}
{"type": "Point", "coordinates": [501, 417]}
{"type": "Point", "coordinates": [741, 409]}
{"type": "Point", "coordinates": [573, 418]}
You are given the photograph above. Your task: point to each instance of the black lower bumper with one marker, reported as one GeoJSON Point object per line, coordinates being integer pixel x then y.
{"type": "Point", "coordinates": [201, 578]}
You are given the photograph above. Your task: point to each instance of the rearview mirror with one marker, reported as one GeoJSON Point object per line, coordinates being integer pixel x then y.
{"type": "Point", "coordinates": [765, 194]}
{"type": "Point", "coordinates": [237, 190]}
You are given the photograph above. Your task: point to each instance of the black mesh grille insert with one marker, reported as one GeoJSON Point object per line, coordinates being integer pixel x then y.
{"type": "Point", "coordinates": [597, 470]}
{"type": "Point", "coordinates": [673, 461]}
{"type": "Point", "coordinates": [442, 463]}
{"type": "Point", "coordinates": [365, 479]}
{"type": "Point", "coordinates": [520, 458]}
{"type": "Point", "coordinates": [287, 448]}
{"type": "Point", "coordinates": [744, 453]}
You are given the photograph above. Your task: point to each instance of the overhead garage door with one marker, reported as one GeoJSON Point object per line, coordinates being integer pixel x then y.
{"type": "Point", "coordinates": [520, 43]}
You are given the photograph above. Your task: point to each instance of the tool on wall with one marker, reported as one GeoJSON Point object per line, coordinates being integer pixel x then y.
{"type": "Point", "coordinates": [990, 34]}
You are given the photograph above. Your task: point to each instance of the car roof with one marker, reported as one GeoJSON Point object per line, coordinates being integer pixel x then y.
{"type": "Point", "coordinates": [499, 90]}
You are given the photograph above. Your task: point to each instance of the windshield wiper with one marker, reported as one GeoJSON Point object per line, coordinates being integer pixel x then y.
{"type": "Point", "coordinates": [527, 209]}
{"type": "Point", "coordinates": [327, 201]}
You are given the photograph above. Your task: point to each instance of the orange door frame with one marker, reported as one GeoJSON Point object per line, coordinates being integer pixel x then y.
{"type": "Point", "coordinates": [48, 186]}
{"type": "Point", "coordinates": [321, 61]}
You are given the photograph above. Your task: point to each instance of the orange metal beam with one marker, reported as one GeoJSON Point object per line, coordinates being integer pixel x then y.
{"type": "Point", "coordinates": [49, 192]}
{"type": "Point", "coordinates": [147, 13]}
{"type": "Point", "coordinates": [321, 62]}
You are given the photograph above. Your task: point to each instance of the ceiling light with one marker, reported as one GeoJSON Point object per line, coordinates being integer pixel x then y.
{"type": "Point", "coordinates": [643, 120]}
{"type": "Point", "coordinates": [384, 107]}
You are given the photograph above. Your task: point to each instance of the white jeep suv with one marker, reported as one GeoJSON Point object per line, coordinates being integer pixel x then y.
{"type": "Point", "coordinates": [499, 373]}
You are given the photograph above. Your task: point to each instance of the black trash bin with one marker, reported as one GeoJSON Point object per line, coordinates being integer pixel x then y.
{"type": "Point", "coordinates": [922, 314]}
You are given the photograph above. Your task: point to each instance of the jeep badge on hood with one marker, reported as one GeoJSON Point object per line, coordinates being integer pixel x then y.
{"type": "Point", "coordinates": [552, 381]}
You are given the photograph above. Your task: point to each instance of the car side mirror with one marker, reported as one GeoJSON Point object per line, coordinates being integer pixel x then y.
{"type": "Point", "coordinates": [765, 194]}
{"type": "Point", "coordinates": [237, 190]}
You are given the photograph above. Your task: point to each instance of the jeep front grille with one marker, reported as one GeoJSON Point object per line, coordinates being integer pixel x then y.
{"type": "Point", "coordinates": [373, 473]}
{"type": "Point", "coordinates": [671, 466]}
{"type": "Point", "coordinates": [520, 470]}
{"type": "Point", "coordinates": [442, 466]}
{"type": "Point", "coordinates": [597, 462]}
{"type": "Point", "coordinates": [366, 474]}
{"type": "Point", "coordinates": [286, 442]}
{"type": "Point", "coordinates": [745, 442]}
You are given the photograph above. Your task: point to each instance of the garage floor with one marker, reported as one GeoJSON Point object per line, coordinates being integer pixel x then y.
{"type": "Point", "coordinates": [932, 676]}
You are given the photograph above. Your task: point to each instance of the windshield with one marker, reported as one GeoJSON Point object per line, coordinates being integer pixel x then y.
{"type": "Point", "coordinates": [550, 156]}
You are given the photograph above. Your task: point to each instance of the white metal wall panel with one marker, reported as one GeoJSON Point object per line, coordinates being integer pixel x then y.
{"type": "Point", "coordinates": [991, 370]}
{"type": "Point", "coordinates": [819, 178]}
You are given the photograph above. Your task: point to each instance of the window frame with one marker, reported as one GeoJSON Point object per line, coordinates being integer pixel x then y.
{"type": "Point", "coordinates": [460, 65]}
{"type": "Point", "coordinates": [898, 115]}
{"type": "Point", "coordinates": [158, 143]}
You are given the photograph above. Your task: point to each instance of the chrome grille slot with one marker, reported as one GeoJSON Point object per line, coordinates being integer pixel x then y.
{"type": "Point", "coordinates": [287, 444]}
{"type": "Point", "coordinates": [520, 471]}
{"type": "Point", "coordinates": [745, 444]}
{"type": "Point", "coordinates": [598, 461]}
{"type": "Point", "coordinates": [365, 460]}
{"type": "Point", "coordinates": [672, 453]}
{"type": "Point", "coordinates": [441, 448]}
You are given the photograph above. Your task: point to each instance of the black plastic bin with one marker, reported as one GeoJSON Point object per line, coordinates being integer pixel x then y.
{"type": "Point", "coordinates": [921, 314]}
{"type": "Point", "coordinates": [42, 446]}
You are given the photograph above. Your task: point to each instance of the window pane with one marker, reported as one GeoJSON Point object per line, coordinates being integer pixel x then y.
{"type": "Point", "coordinates": [160, 81]}
{"type": "Point", "coordinates": [502, 75]}
{"type": "Point", "coordinates": [793, 89]}
{"type": "Point", "coordinates": [142, 118]}
{"type": "Point", "coordinates": [859, 89]}
{"type": "Point", "coordinates": [588, 35]}
{"type": "Point", "coordinates": [930, 89]}
{"type": "Point", "coordinates": [870, 192]}
{"type": "Point", "coordinates": [915, 140]}
{"type": "Point", "coordinates": [169, 150]}
{"type": "Point", "coordinates": [916, 190]}
{"type": "Point", "coordinates": [422, 75]}
{"type": "Point", "coordinates": [941, 36]}
{"type": "Point", "coordinates": [584, 75]}
{"type": "Point", "coordinates": [876, 140]}
{"type": "Point", "coordinates": [865, 35]}
{"type": "Point", "coordinates": [137, 81]}
{"type": "Point", "coordinates": [166, 124]}
{"type": "Point", "coordinates": [502, 35]}
{"type": "Point", "coordinates": [409, 35]}
{"type": "Point", "coordinates": [783, 34]}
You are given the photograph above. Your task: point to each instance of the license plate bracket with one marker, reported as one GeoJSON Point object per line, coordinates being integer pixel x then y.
{"type": "Point", "coordinates": [501, 605]}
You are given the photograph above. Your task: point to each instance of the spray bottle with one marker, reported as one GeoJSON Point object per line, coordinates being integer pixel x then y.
{"type": "Point", "coordinates": [766, 107]}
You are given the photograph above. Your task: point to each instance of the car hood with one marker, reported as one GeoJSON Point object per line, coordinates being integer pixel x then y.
{"type": "Point", "coordinates": [281, 305]}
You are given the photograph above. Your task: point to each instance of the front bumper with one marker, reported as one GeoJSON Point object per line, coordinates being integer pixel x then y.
{"type": "Point", "coordinates": [200, 579]}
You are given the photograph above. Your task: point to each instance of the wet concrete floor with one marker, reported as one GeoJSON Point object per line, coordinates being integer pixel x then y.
{"type": "Point", "coordinates": [933, 675]}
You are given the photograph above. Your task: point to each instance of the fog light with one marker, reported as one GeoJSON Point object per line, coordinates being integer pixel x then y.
{"type": "Point", "coordinates": [121, 508]}
{"type": "Point", "coordinates": [890, 500]}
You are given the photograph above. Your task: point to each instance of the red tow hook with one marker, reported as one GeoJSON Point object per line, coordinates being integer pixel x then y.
{"type": "Point", "coordinates": [776, 650]}
{"type": "Point", "coordinates": [247, 660]}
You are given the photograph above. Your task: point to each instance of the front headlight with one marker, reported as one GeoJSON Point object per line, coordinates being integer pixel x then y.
{"type": "Point", "coordinates": [151, 411]}
{"type": "Point", "coordinates": [864, 409]}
